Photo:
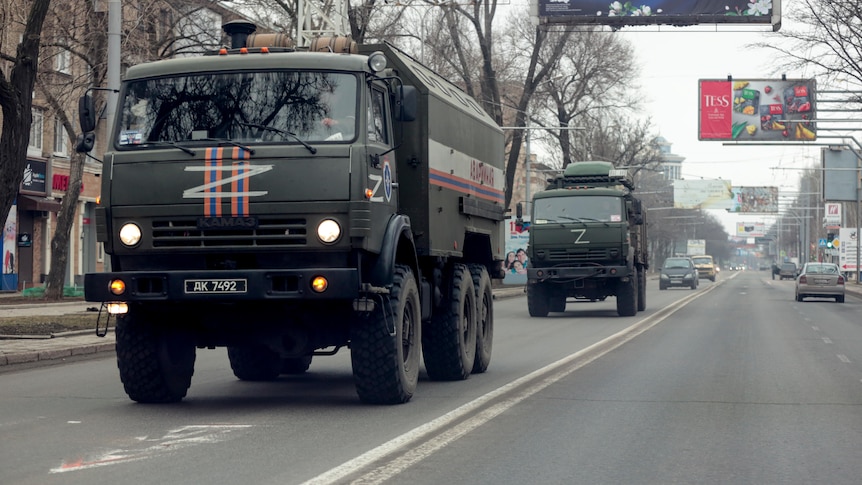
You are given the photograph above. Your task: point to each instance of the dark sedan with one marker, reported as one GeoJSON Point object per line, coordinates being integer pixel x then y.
{"type": "Point", "coordinates": [678, 272]}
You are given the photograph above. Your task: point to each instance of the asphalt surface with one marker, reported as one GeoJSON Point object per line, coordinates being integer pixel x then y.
{"type": "Point", "coordinates": [70, 346]}
{"type": "Point", "coordinates": [84, 344]}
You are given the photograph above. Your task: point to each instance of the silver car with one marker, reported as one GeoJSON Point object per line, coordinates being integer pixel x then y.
{"type": "Point", "coordinates": [820, 280]}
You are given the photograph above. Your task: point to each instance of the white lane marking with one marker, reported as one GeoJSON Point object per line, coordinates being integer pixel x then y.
{"type": "Point", "coordinates": [827, 340]}
{"type": "Point", "coordinates": [843, 358]}
{"type": "Point", "coordinates": [544, 377]}
{"type": "Point", "coordinates": [182, 437]}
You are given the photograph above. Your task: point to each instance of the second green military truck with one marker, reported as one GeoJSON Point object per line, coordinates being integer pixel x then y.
{"type": "Point", "coordinates": [588, 240]}
{"type": "Point", "coordinates": [286, 203]}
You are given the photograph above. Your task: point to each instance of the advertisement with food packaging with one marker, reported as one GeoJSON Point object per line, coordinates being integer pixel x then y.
{"type": "Point", "coordinates": [757, 110]}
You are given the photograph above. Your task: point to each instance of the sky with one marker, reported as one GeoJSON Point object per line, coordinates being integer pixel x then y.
{"type": "Point", "coordinates": [672, 60]}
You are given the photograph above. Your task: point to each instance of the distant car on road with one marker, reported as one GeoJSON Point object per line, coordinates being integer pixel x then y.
{"type": "Point", "coordinates": [788, 270]}
{"type": "Point", "coordinates": [705, 266]}
{"type": "Point", "coordinates": [678, 272]}
{"type": "Point", "coordinates": [820, 280]}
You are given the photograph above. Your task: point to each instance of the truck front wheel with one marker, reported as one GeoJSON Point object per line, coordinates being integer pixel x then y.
{"type": "Point", "coordinates": [386, 360]}
{"type": "Point", "coordinates": [627, 297]}
{"type": "Point", "coordinates": [156, 364]}
{"type": "Point", "coordinates": [537, 301]}
{"type": "Point", "coordinates": [449, 342]}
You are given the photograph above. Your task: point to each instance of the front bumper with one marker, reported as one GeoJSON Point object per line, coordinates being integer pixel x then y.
{"type": "Point", "coordinates": [246, 285]}
{"type": "Point", "coordinates": [561, 274]}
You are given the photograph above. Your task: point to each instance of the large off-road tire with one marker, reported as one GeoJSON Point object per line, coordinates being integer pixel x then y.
{"type": "Point", "coordinates": [254, 362]}
{"type": "Point", "coordinates": [485, 315]}
{"type": "Point", "coordinates": [537, 300]}
{"type": "Point", "coordinates": [295, 365]}
{"type": "Point", "coordinates": [557, 300]}
{"type": "Point", "coordinates": [156, 364]}
{"type": "Point", "coordinates": [449, 342]}
{"type": "Point", "coordinates": [627, 298]}
{"type": "Point", "coordinates": [386, 361]}
{"type": "Point", "coordinates": [641, 290]}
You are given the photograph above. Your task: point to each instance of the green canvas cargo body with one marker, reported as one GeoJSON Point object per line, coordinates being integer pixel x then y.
{"type": "Point", "coordinates": [587, 241]}
{"type": "Point", "coordinates": [236, 213]}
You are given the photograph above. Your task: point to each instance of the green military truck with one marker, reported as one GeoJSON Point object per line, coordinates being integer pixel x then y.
{"type": "Point", "coordinates": [588, 240]}
{"type": "Point", "coordinates": [285, 203]}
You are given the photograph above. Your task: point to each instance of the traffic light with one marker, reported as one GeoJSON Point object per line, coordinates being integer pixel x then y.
{"type": "Point", "coordinates": [829, 238]}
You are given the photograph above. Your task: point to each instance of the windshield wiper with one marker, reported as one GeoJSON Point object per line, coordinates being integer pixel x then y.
{"type": "Point", "coordinates": [171, 143]}
{"type": "Point", "coordinates": [229, 142]}
{"type": "Point", "coordinates": [283, 133]}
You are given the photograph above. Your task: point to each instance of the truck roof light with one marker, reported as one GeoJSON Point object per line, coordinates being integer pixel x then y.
{"type": "Point", "coordinates": [368, 193]}
{"type": "Point", "coordinates": [222, 51]}
{"type": "Point", "coordinates": [377, 61]}
{"type": "Point", "coordinates": [243, 50]}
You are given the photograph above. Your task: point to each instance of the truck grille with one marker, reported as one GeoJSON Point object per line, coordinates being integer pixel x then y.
{"type": "Point", "coordinates": [184, 233]}
{"type": "Point", "coordinates": [567, 255]}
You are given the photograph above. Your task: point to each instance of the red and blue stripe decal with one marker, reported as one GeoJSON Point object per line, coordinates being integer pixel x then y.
{"type": "Point", "coordinates": [213, 175]}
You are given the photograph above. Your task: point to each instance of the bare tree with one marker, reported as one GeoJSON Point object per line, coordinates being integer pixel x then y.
{"type": "Point", "coordinates": [824, 36]}
{"type": "Point", "coordinates": [16, 100]}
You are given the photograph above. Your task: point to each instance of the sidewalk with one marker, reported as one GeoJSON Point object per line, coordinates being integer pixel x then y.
{"type": "Point", "coordinates": [74, 345]}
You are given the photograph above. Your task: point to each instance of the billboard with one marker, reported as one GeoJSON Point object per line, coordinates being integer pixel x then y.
{"type": "Point", "coordinates": [658, 12]}
{"type": "Point", "coordinates": [840, 168]}
{"type": "Point", "coordinates": [702, 194]}
{"type": "Point", "coordinates": [757, 110]}
{"type": "Point", "coordinates": [754, 199]}
{"type": "Point", "coordinates": [750, 229]}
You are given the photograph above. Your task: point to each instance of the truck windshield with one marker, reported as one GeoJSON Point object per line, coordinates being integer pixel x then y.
{"type": "Point", "coordinates": [245, 107]}
{"type": "Point", "coordinates": [554, 210]}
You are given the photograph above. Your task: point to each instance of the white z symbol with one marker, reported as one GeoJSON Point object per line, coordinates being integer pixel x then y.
{"type": "Point", "coordinates": [379, 180]}
{"type": "Point", "coordinates": [200, 192]}
{"type": "Point", "coordinates": [581, 233]}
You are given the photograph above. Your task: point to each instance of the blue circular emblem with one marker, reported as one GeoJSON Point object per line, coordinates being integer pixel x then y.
{"type": "Point", "coordinates": [387, 180]}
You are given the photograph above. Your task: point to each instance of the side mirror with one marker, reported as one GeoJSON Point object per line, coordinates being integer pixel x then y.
{"type": "Point", "coordinates": [408, 100]}
{"type": "Point", "coordinates": [86, 113]}
{"type": "Point", "coordinates": [85, 142]}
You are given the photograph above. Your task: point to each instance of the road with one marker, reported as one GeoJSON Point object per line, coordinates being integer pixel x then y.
{"type": "Point", "coordinates": [732, 383]}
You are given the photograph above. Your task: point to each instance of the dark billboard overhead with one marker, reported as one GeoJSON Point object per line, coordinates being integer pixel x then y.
{"type": "Point", "coordinates": [659, 12]}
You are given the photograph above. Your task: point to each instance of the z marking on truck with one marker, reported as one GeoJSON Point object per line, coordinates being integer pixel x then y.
{"type": "Point", "coordinates": [580, 233]}
{"type": "Point", "coordinates": [211, 190]}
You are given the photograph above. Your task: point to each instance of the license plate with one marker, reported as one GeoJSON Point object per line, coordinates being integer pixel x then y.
{"type": "Point", "coordinates": [820, 281]}
{"type": "Point", "coordinates": [220, 286]}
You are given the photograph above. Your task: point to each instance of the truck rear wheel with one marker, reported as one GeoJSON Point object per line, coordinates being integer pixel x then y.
{"type": "Point", "coordinates": [627, 297]}
{"type": "Point", "coordinates": [641, 290]}
{"type": "Point", "coordinates": [537, 301]}
{"type": "Point", "coordinates": [156, 365]}
{"type": "Point", "coordinates": [254, 363]}
{"type": "Point", "coordinates": [386, 361]}
{"type": "Point", "coordinates": [295, 365]}
{"type": "Point", "coordinates": [449, 342]}
{"type": "Point", "coordinates": [485, 322]}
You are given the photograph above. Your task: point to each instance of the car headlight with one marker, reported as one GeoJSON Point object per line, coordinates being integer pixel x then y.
{"type": "Point", "coordinates": [664, 276]}
{"type": "Point", "coordinates": [689, 275]}
{"type": "Point", "coordinates": [130, 234]}
{"type": "Point", "coordinates": [328, 231]}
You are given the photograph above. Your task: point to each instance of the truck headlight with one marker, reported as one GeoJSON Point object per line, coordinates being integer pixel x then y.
{"type": "Point", "coordinates": [130, 234]}
{"type": "Point", "coordinates": [328, 231]}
